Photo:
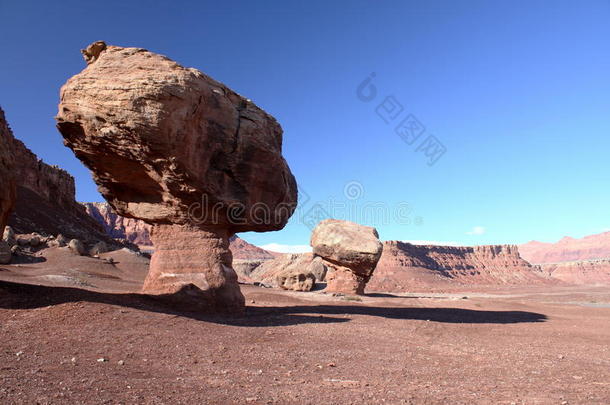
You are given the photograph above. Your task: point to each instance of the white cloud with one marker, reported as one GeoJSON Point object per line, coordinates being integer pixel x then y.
{"type": "Point", "coordinates": [432, 242]}
{"type": "Point", "coordinates": [278, 247]}
{"type": "Point", "coordinates": [477, 230]}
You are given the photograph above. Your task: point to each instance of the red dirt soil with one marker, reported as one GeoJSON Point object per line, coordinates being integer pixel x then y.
{"type": "Point", "coordinates": [543, 345]}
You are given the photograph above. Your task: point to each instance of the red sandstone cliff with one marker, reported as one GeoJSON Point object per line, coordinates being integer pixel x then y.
{"type": "Point", "coordinates": [567, 249]}
{"type": "Point", "coordinates": [584, 272]}
{"type": "Point", "coordinates": [405, 267]}
{"type": "Point", "coordinates": [247, 251]}
{"type": "Point", "coordinates": [46, 201]}
{"type": "Point", "coordinates": [134, 230]}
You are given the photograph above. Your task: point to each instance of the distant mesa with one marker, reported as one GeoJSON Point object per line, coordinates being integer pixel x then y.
{"type": "Point", "coordinates": [173, 147]}
{"type": "Point", "coordinates": [592, 247]}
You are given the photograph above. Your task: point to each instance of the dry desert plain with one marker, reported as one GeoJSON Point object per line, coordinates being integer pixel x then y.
{"type": "Point", "coordinates": [84, 336]}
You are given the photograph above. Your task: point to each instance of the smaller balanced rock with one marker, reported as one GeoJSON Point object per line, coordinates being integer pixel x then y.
{"type": "Point", "coordinates": [351, 251]}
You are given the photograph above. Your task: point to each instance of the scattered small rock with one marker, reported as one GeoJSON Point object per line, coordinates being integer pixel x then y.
{"type": "Point", "coordinates": [99, 248]}
{"type": "Point", "coordinates": [61, 240]}
{"type": "Point", "coordinates": [77, 247]}
{"type": "Point", "coordinates": [34, 240]}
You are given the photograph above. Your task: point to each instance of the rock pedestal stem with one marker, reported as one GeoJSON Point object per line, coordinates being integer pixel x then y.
{"type": "Point", "coordinates": [189, 256]}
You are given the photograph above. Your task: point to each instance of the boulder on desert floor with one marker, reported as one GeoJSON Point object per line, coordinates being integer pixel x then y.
{"type": "Point", "coordinates": [181, 151]}
{"type": "Point", "coordinates": [351, 251]}
{"type": "Point", "coordinates": [296, 280]}
{"type": "Point", "coordinates": [268, 272]}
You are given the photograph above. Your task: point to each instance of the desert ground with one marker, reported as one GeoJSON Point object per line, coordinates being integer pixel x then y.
{"type": "Point", "coordinates": [83, 335]}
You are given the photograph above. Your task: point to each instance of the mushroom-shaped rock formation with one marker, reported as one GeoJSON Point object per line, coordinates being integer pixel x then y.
{"type": "Point", "coordinates": [296, 280]}
{"type": "Point", "coordinates": [7, 179]}
{"type": "Point", "coordinates": [181, 151]}
{"type": "Point", "coordinates": [350, 250]}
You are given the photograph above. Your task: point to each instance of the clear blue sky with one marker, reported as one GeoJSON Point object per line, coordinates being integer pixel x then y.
{"type": "Point", "coordinates": [518, 92]}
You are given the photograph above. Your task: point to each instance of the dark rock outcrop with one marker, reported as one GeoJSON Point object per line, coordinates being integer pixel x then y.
{"type": "Point", "coordinates": [567, 249]}
{"type": "Point", "coordinates": [271, 272]}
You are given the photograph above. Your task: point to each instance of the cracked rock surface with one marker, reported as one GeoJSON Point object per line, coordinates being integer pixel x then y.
{"type": "Point", "coordinates": [175, 148]}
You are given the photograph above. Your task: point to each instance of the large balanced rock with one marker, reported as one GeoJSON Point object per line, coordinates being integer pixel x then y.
{"type": "Point", "coordinates": [181, 151]}
{"type": "Point", "coordinates": [350, 250]}
{"type": "Point", "coordinates": [7, 177]}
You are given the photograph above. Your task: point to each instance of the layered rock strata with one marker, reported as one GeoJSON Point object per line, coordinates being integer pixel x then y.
{"type": "Point", "coordinates": [179, 150]}
{"type": "Point", "coordinates": [351, 252]}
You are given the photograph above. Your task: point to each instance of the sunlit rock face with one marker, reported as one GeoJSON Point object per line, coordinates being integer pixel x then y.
{"type": "Point", "coordinates": [351, 251]}
{"type": "Point", "coordinates": [179, 150]}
